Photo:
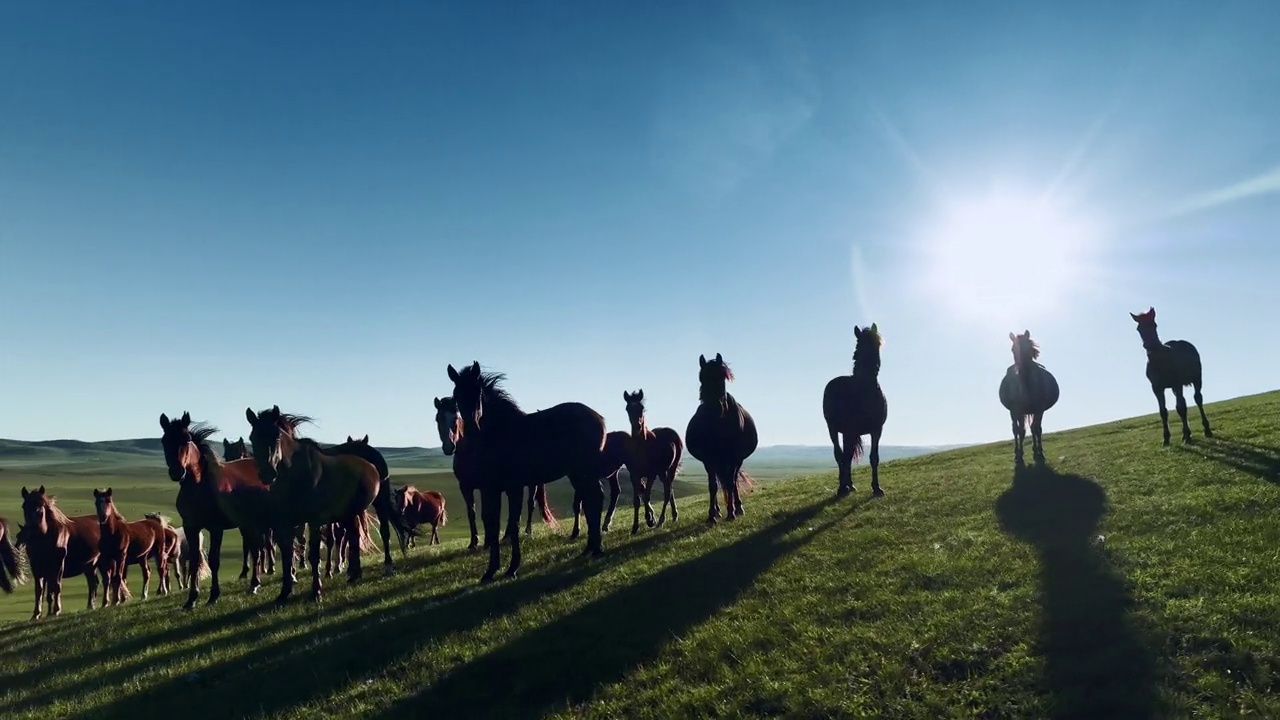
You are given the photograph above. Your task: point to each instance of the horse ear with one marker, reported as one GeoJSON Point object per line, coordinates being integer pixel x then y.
{"type": "Point", "coordinates": [626, 396]}
{"type": "Point", "coordinates": [225, 445]}
{"type": "Point", "coordinates": [40, 491]}
{"type": "Point", "coordinates": [365, 440]}
{"type": "Point", "coordinates": [186, 418]}
{"type": "Point", "coordinates": [97, 493]}
{"type": "Point", "coordinates": [857, 332]}
{"type": "Point", "coordinates": [250, 415]}
{"type": "Point", "coordinates": [275, 409]}
{"type": "Point", "coordinates": [164, 422]}
{"type": "Point", "coordinates": [437, 402]}
{"type": "Point", "coordinates": [1135, 317]}
{"type": "Point", "coordinates": [640, 395]}
{"type": "Point", "coordinates": [25, 492]}
{"type": "Point", "coordinates": [241, 439]}
{"type": "Point", "coordinates": [875, 329]}
{"type": "Point", "coordinates": [719, 359]}
{"type": "Point", "coordinates": [475, 367]}
{"type": "Point", "coordinates": [107, 493]}
{"type": "Point", "coordinates": [702, 360]}
{"type": "Point", "coordinates": [1152, 312]}
{"type": "Point", "coordinates": [1013, 337]}
{"type": "Point", "coordinates": [453, 374]}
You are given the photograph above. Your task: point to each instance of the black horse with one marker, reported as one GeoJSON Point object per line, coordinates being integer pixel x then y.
{"type": "Point", "coordinates": [1172, 365]}
{"type": "Point", "coordinates": [721, 435]}
{"type": "Point", "coordinates": [854, 405]}
{"type": "Point", "coordinates": [1027, 391]}
{"type": "Point", "coordinates": [519, 449]}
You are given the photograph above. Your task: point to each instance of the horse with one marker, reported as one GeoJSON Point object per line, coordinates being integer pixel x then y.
{"type": "Point", "coordinates": [1027, 391]}
{"type": "Point", "coordinates": [122, 543]}
{"type": "Point", "coordinates": [518, 449]}
{"type": "Point", "coordinates": [337, 542]}
{"type": "Point", "coordinates": [265, 557]}
{"type": "Point", "coordinates": [172, 548]}
{"type": "Point", "coordinates": [10, 570]}
{"type": "Point", "coordinates": [389, 516]}
{"type": "Point", "coordinates": [58, 547]}
{"type": "Point", "coordinates": [466, 468]}
{"type": "Point", "coordinates": [653, 455]}
{"type": "Point", "coordinates": [1172, 366]}
{"type": "Point", "coordinates": [423, 508]}
{"type": "Point", "coordinates": [213, 496]}
{"type": "Point", "coordinates": [183, 550]}
{"type": "Point", "coordinates": [854, 405]}
{"type": "Point", "coordinates": [612, 459]}
{"type": "Point", "coordinates": [313, 487]}
{"type": "Point", "coordinates": [721, 435]}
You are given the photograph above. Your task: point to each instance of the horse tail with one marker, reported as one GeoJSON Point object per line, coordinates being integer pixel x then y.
{"type": "Point", "coordinates": [202, 569]}
{"type": "Point", "coordinates": [387, 510]}
{"type": "Point", "coordinates": [743, 477]}
{"type": "Point", "coordinates": [540, 497]}
{"type": "Point", "coordinates": [9, 567]}
{"type": "Point", "coordinates": [366, 538]}
{"type": "Point", "coordinates": [857, 446]}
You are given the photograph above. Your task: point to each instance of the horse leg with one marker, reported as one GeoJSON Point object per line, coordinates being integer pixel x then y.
{"type": "Point", "coordinates": [1164, 411]}
{"type": "Point", "coordinates": [513, 529]}
{"type": "Point", "coordinates": [193, 566]}
{"type": "Point", "coordinates": [635, 503]}
{"type": "Point", "coordinates": [269, 548]}
{"type": "Point", "coordinates": [1181, 404]}
{"type": "Point", "coordinates": [1017, 421]}
{"type": "Point", "coordinates": [668, 498]}
{"type": "Point", "coordinates": [843, 464]}
{"type": "Point", "coordinates": [1037, 437]}
{"type": "Point", "coordinates": [713, 505]}
{"type": "Point", "coordinates": [352, 532]}
{"type": "Point", "coordinates": [246, 551]}
{"type": "Point", "coordinates": [577, 510]}
{"type": "Point", "coordinates": [288, 577]}
{"type": "Point", "coordinates": [470, 497]}
{"type": "Point", "coordinates": [735, 500]}
{"type": "Point", "coordinates": [528, 522]}
{"type": "Point", "coordinates": [615, 490]}
{"type": "Point", "coordinates": [215, 561]}
{"type": "Point", "coordinates": [491, 515]}
{"type": "Point", "coordinates": [313, 555]}
{"type": "Point", "coordinates": [329, 548]}
{"type": "Point", "coordinates": [874, 458]}
{"type": "Point", "coordinates": [1199, 398]}
{"type": "Point", "coordinates": [650, 517]}
{"type": "Point", "coordinates": [592, 505]}
{"type": "Point", "coordinates": [54, 589]}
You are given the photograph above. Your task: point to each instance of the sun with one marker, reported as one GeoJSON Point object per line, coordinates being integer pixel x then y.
{"type": "Point", "coordinates": [1005, 259]}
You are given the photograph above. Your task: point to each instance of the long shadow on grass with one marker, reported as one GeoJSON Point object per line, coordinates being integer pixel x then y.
{"type": "Point", "coordinates": [301, 668]}
{"type": "Point", "coordinates": [1261, 461]}
{"type": "Point", "coordinates": [568, 660]}
{"type": "Point", "coordinates": [1096, 664]}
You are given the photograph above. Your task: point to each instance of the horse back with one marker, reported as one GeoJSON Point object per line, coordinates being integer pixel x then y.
{"type": "Point", "coordinates": [565, 439]}
{"type": "Point", "coordinates": [81, 541]}
{"type": "Point", "coordinates": [721, 434]}
{"type": "Point", "coordinates": [1177, 365]}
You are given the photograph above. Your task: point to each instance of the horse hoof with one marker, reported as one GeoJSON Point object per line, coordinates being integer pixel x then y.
{"type": "Point", "coordinates": [316, 598]}
{"type": "Point", "coordinates": [486, 578]}
{"type": "Point", "coordinates": [651, 522]}
{"type": "Point", "coordinates": [189, 605]}
{"type": "Point", "coordinates": [510, 574]}
{"type": "Point", "coordinates": [711, 520]}
{"type": "Point", "coordinates": [597, 553]}
{"type": "Point", "coordinates": [635, 530]}
{"type": "Point", "coordinates": [1208, 433]}
{"type": "Point", "coordinates": [877, 492]}
{"type": "Point", "coordinates": [282, 601]}
{"type": "Point", "coordinates": [605, 527]}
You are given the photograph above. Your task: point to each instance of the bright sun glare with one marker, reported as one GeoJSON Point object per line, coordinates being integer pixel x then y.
{"type": "Point", "coordinates": [1005, 259]}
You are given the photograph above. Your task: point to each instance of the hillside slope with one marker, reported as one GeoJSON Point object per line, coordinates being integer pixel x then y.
{"type": "Point", "coordinates": [1130, 580]}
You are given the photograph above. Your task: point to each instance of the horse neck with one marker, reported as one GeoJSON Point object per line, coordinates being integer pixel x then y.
{"type": "Point", "coordinates": [866, 370]}
{"type": "Point", "coordinates": [640, 427]}
{"type": "Point", "coordinates": [1151, 341]}
{"type": "Point", "coordinates": [501, 411]}
{"type": "Point", "coordinates": [113, 521]}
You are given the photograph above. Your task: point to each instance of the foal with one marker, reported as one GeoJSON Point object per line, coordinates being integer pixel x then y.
{"type": "Point", "coordinates": [1173, 366]}
{"type": "Point", "coordinates": [652, 456]}
{"type": "Point", "coordinates": [127, 543]}
{"type": "Point", "coordinates": [422, 508]}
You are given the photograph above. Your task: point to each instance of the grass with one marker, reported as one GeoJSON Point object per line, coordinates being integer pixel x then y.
{"type": "Point", "coordinates": [1130, 580]}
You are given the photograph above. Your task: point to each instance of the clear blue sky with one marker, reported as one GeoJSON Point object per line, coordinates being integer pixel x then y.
{"type": "Point", "coordinates": [320, 206]}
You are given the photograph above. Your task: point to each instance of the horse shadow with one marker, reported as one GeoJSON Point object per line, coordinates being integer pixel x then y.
{"type": "Point", "coordinates": [1260, 461]}
{"type": "Point", "coordinates": [1096, 661]}
{"type": "Point", "coordinates": [604, 641]}
{"type": "Point", "coordinates": [368, 642]}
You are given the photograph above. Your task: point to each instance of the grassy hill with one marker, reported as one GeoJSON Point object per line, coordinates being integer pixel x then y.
{"type": "Point", "coordinates": [1129, 580]}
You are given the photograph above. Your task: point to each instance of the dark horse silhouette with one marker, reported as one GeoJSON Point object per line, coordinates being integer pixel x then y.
{"type": "Point", "coordinates": [265, 557]}
{"type": "Point", "coordinates": [854, 405]}
{"type": "Point", "coordinates": [518, 449]}
{"type": "Point", "coordinates": [612, 458]}
{"type": "Point", "coordinates": [466, 468]}
{"type": "Point", "coordinates": [1172, 365]}
{"type": "Point", "coordinates": [1027, 391]}
{"type": "Point", "coordinates": [721, 435]}
{"type": "Point", "coordinates": [10, 570]}
{"type": "Point", "coordinates": [313, 487]}
{"type": "Point", "coordinates": [213, 496]}
{"type": "Point", "coordinates": [653, 455]}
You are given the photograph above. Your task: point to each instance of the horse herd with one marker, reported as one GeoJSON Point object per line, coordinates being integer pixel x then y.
{"type": "Point", "coordinates": [278, 483]}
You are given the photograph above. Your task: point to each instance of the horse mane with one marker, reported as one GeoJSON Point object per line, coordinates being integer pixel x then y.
{"type": "Point", "coordinates": [868, 344]}
{"type": "Point", "coordinates": [51, 506]}
{"type": "Point", "coordinates": [289, 422]}
{"type": "Point", "coordinates": [161, 517]}
{"type": "Point", "coordinates": [491, 389]}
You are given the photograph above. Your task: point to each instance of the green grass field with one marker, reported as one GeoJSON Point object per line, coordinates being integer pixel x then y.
{"type": "Point", "coordinates": [1130, 580]}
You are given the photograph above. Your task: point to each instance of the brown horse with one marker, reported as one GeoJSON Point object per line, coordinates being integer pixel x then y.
{"type": "Point", "coordinates": [122, 543]}
{"type": "Point", "coordinates": [265, 557]}
{"type": "Point", "coordinates": [312, 487]}
{"type": "Point", "coordinates": [1027, 391]}
{"type": "Point", "coordinates": [653, 455]}
{"type": "Point", "coordinates": [422, 507]}
{"type": "Point", "coordinates": [519, 449]}
{"type": "Point", "coordinates": [10, 570]}
{"type": "Point", "coordinates": [721, 435]}
{"type": "Point", "coordinates": [854, 405]}
{"type": "Point", "coordinates": [58, 547]}
{"type": "Point", "coordinates": [1172, 366]}
{"type": "Point", "coordinates": [213, 496]}
{"type": "Point", "coordinates": [466, 468]}
{"type": "Point", "coordinates": [612, 460]}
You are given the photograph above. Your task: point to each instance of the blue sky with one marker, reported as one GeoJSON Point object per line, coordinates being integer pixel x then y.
{"type": "Point", "coordinates": [321, 205]}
